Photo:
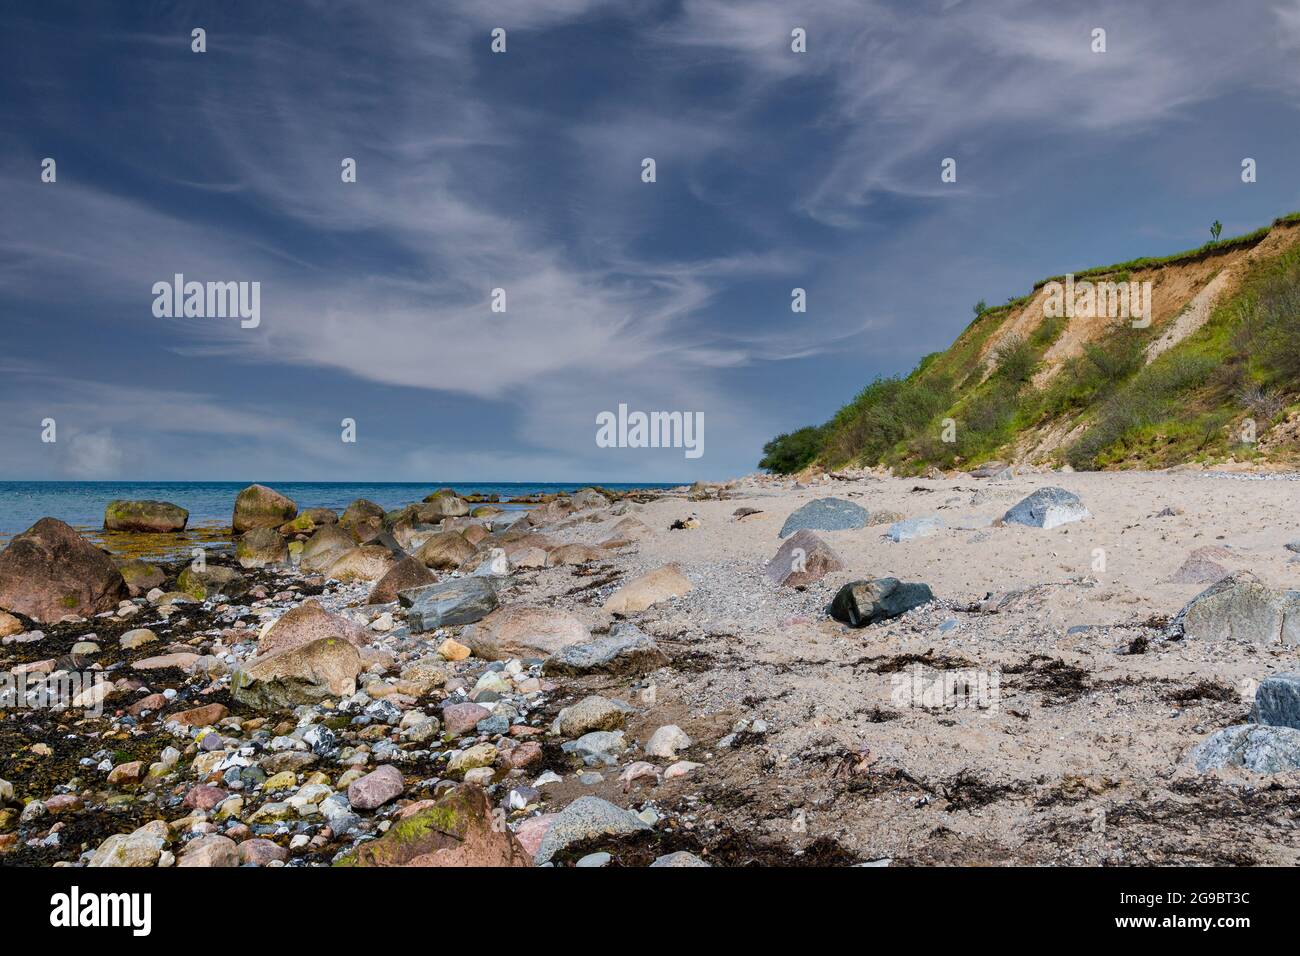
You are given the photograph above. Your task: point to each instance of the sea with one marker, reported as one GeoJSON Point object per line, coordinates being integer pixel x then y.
{"type": "Point", "coordinates": [211, 503]}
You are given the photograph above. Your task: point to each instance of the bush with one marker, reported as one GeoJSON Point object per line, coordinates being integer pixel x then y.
{"type": "Point", "coordinates": [792, 451]}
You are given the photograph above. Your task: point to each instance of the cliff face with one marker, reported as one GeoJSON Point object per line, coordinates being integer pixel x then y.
{"type": "Point", "coordinates": [1150, 363]}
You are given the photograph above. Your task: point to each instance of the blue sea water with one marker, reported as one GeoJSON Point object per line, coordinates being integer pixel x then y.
{"type": "Point", "coordinates": [210, 503]}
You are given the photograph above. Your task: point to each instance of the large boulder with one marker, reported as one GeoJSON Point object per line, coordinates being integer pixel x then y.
{"type": "Point", "coordinates": [303, 674]}
{"type": "Point", "coordinates": [802, 559]}
{"type": "Point", "coordinates": [1248, 747]}
{"type": "Point", "coordinates": [157, 517]}
{"type": "Point", "coordinates": [458, 830]}
{"type": "Point", "coordinates": [212, 580]}
{"type": "Point", "coordinates": [574, 554]}
{"type": "Point", "coordinates": [261, 547]}
{"type": "Point", "coordinates": [363, 519]}
{"type": "Point", "coordinates": [324, 547]}
{"type": "Point", "coordinates": [445, 550]}
{"type": "Point", "coordinates": [625, 650]}
{"type": "Point", "coordinates": [306, 623]}
{"type": "Point", "coordinates": [860, 603]}
{"type": "Point", "coordinates": [449, 603]}
{"type": "Point", "coordinates": [1047, 508]}
{"type": "Point", "coordinates": [1277, 701]}
{"type": "Point", "coordinates": [49, 571]}
{"type": "Point", "coordinates": [369, 562]}
{"type": "Point", "coordinates": [410, 572]}
{"type": "Point", "coordinates": [825, 514]}
{"type": "Point", "coordinates": [524, 630]}
{"type": "Point", "coordinates": [585, 819]}
{"type": "Point", "coordinates": [141, 577]}
{"type": "Point", "coordinates": [258, 506]}
{"type": "Point", "coordinates": [649, 589]}
{"type": "Point", "coordinates": [1241, 607]}
{"type": "Point", "coordinates": [441, 506]}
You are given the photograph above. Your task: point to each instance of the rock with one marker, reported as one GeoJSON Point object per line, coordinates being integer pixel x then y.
{"type": "Point", "coordinates": [138, 637]}
{"type": "Point", "coordinates": [140, 576]}
{"type": "Point", "coordinates": [363, 519]}
{"type": "Point", "coordinates": [409, 572]}
{"type": "Point", "coordinates": [10, 625]}
{"type": "Point", "coordinates": [626, 650]}
{"type": "Point", "coordinates": [438, 506]}
{"type": "Point", "coordinates": [261, 547]}
{"type": "Point", "coordinates": [260, 852]}
{"type": "Point", "coordinates": [324, 547]}
{"type": "Point", "coordinates": [445, 550]}
{"type": "Point", "coordinates": [376, 788]}
{"type": "Point", "coordinates": [666, 741]}
{"type": "Point", "coordinates": [260, 507]}
{"type": "Point", "coordinates": [298, 675]}
{"type": "Point", "coordinates": [205, 716]}
{"type": "Point", "coordinates": [911, 528]}
{"type": "Point", "coordinates": [524, 630]}
{"type": "Point", "coordinates": [1277, 701]}
{"type": "Point", "coordinates": [528, 558]}
{"type": "Point", "coordinates": [306, 623]}
{"type": "Point", "coordinates": [140, 848]}
{"type": "Point", "coordinates": [459, 830]}
{"type": "Point", "coordinates": [573, 554]}
{"type": "Point", "coordinates": [591, 713]}
{"type": "Point", "coordinates": [680, 769]}
{"type": "Point", "coordinates": [1241, 607]}
{"type": "Point", "coordinates": [49, 571]}
{"type": "Point", "coordinates": [453, 650]}
{"type": "Point", "coordinates": [1249, 746]}
{"type": "Point", "coordinates": [593, 860]}
{"type": "Point", "coordinates": [368, 562]}
{"type": "Point", "coordinates": [448, 603]}
{"type": "Point", "coordinates": [680, 858]}
{"type": "Point", "coordinates": [204, 797]}
{"type": "Point", "coordinates": [150, 517]}
{"type": "Point", "coordinates": [860, 603]}
{"type": "Point", "coordinates": [801, 560]}
{"type": "Point", "coordinates": [462, 718]}
{"type": "Point", "coordinates": [649, 589]}
{"type": "Point", "coordinates": [588, 498]}
{"type": "Point", "coordinates": [1047, 508]}
{"type": "Point", "coordinates": [211, 581]}
{"type": "Point", "coordinates": [471, 758]}
{"type": "Point", "coordinates": [825, 514]}
{"type": "Point", "coordinates": [210, 850]}
{"type": "Point", "coordinates": [1201, 568]}
{"type": "Point", "coordinates": [126, 774]}
{"type": "Point", "coordinates": [988, 469]}
{"type": "Point", "coordinates": [180, 660]}
{"type": "Point", "coordinates": [585, 819]}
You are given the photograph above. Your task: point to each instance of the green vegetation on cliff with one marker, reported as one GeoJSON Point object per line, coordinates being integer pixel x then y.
{"type": "Point", "coordinates": [1104, 406]}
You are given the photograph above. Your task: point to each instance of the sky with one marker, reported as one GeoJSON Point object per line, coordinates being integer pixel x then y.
{"type": "Point", "coordinates": [522, 170]}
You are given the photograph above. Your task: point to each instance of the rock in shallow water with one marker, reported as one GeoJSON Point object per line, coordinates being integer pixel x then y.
{"type": "Point", "coordinates": [149, 517]}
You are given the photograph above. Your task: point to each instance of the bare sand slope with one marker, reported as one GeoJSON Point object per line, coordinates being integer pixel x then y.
{"type": "Point", "coordinates": [1077, 760]}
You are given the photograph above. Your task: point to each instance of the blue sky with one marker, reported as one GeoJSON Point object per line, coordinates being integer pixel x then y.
{"type": "Point", "coordinates": [522, 171]}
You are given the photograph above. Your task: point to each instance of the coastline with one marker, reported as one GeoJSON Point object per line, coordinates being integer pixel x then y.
{"type": "Point", "coordinates": [736, 720]}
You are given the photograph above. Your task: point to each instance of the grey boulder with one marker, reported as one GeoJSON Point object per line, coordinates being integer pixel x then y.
{"type": "Point", "coordinates": [448, 603]}
{"type": "Point", "coordinates": [1047, 508]}
{"type": "Point", "coordinates": [825, 514]}
{"type": "Point", "coordinates": [1249, 747]}
{"type": "Point", "coordinates": [860, 603]}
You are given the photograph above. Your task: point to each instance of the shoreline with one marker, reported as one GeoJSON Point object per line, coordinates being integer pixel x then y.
{"type": "Point", "coordinates": [738, 721]}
